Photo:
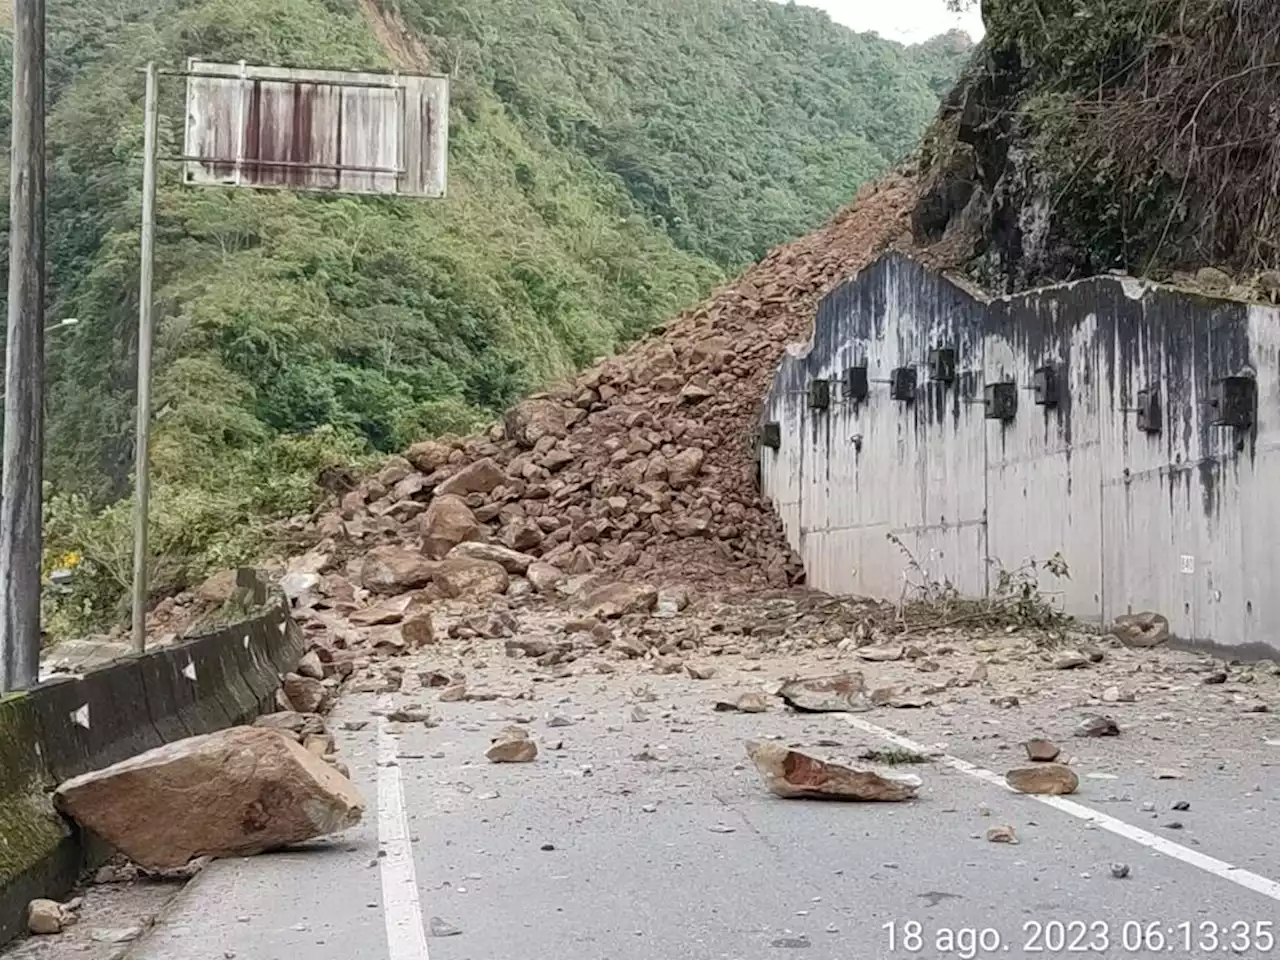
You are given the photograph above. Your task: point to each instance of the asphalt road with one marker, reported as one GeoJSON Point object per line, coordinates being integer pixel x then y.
{"type": "Point", "coordinates": [594, 851]}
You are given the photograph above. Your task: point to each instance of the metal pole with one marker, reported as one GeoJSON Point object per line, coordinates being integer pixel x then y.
{"type": "Point", "coordinates": [20, 489]}
{"type": "Point", "coordinates": [142, 462]}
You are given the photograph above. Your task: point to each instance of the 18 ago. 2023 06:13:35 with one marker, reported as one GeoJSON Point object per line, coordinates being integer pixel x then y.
{"type": "Point", "coordinates": [1186, 938]}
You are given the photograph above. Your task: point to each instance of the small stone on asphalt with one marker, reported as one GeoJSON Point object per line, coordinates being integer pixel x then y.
{"type": "Point", "coordinates": [439, 928]}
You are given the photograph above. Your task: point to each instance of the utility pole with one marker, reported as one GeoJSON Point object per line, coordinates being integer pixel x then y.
{"type": "Point", "coordinates": [146, 328]}
{"type": "Point", "coordinates": [20, 489]}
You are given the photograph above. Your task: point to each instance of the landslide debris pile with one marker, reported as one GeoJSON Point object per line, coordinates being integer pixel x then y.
{"type": "Point", "coordinates": [645, 461]}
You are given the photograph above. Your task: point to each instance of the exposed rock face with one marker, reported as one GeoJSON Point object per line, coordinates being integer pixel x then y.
{"type": "Point", "coordinates": [796, 775]}
{"type": "Point", "coordinates": [241, 791]}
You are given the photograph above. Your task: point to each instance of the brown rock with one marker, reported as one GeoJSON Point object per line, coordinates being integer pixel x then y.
{"type": "Point", "coordinates": [1042, 751]}
{"type": "Point", "coordinates": [509, 560]}
{"type": "Point", "coordinates": [393, 471]}
{"type": "Point", "coordinates": [684, 467]}
{"type": "Point", "coordinates": [453, 692]}
{"type": "Point", "coordinates": [534, 419]}
{"type": "Point", "coordinates": [695, 393]}
{"type": "Point", "coordinates": [1097, 726]}
{"type": "Point", "coordinates": [240, 791]}
{"type": "Point", "coordinates": [521, 535]}
{"type": "Point", "coordinates": [544, 577]}
{"type": "Point", "coordinates": [1052, 779]}
{"type": "Point", "coordinates": [1069, 660]}
{"type": "Point", "coordinates": [881, 654]}
{"type": "Point", "coordinates": [429, 456]}
{"type": "Point", "coordinates": [310, 666]}
{"type": "Point", "coordinates": [795, 775]}
{"type": "Point", "coordinates": [700, 671]}
{"type": "Point", "coordinates": [1141, 629]}
{"type": "Point", "coordinates": [418, 629]}
{"type": "Point", "coordinates": [307, 694]}
{"type": "Point", "coordinates": [447, 523]}
{"type": "Point", "coordinates": [390, 610]}
{"type": "Point", "coordinates": [286, 721]}
{"type": "Point", "coordinates": [45, 917]}
{"type": "Point", "coordinates": [512, 745]}
{"type": "Point", "coordinates": [352, 505]}
{"type": "Point", "coordinates": [613, 600]}
{"type": "Point", "coordinates": [338, 588]}
{"type": "Point", "coordinates": [321, 744]}
{"type": "Point", "coordinates": [394, 570]}
{"type": "Point", "coordinates": [469, 578]}
{"type": "Point", "coordinates": [479, 477]}
{"type": "Point", "coordinates": [218, 589]}
{"type": "Point", "coordinates": [830, 694]}
{"type": "Point", "coordinates": [1002, 834]}
{"type": "Point", "coordinates": [556, 460]}
{"type": "Point", "coordinates": [747, 703]}
{"type": "Point", "coordinates": [631, 647]}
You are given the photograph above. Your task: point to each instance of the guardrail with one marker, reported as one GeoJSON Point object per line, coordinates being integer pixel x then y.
{"type": "Point", "coordinates": [69, 726]}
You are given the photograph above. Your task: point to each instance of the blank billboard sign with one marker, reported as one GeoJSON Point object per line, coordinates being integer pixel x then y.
{"type": "Point", "coordinates": [316, 130]}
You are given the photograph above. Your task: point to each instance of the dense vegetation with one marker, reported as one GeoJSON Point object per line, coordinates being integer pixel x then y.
{"type": "Point", "coordinates": [610, 161]}
{"type": "Point", "coordinates": [1139, 135]}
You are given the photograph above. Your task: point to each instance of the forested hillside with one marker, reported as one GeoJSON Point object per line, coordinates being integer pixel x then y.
{"type": "Point", "coordinates": [610, 161]}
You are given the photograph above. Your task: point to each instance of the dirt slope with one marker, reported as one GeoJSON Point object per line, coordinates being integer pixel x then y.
{"type": "Point", "coordinates": [646, 460]}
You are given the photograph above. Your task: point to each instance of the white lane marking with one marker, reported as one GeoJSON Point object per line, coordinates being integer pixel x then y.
{"type": "Point", "coordinates": [1219, 868]}
{"type": "Point", "coordinates": [401, 908]}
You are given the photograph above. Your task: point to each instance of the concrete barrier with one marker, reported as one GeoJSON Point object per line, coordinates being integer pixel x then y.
{"type": "Point", "coordinates": [37, 849]}
{"type": "Point", "coordinates": [71, 725]}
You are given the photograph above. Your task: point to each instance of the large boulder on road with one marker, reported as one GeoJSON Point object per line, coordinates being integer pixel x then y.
{"type": "Point", "coordinates": [228, 794]}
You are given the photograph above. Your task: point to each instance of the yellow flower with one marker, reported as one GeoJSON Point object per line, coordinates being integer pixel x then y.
{"type": "Point", "coordinates": [70, 560]}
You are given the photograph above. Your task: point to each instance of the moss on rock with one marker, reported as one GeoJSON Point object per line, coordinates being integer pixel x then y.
{"type": "Point", "coordinates": [30, 829]}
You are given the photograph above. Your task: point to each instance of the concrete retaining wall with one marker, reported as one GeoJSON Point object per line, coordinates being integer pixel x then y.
{"type": "Point", "coordinates": [69, 726]}
{"type": "Point", "coordinates": [1153, 501]}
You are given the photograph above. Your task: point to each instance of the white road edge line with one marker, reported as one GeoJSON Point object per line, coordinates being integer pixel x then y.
{"type": "Point", "coordinates": [1219, 868]}
{"type": "Point", "coordinates": [401, 907]}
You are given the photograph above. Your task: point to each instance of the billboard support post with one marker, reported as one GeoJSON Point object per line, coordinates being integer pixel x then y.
{"type": "Point", "coordinates": [142, 458]}
{"type": "Point", "coordinates": [280, 127]}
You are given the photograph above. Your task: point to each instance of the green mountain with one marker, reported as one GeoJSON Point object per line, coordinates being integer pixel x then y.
{"type": "Point", "coordinates": [610, 161]}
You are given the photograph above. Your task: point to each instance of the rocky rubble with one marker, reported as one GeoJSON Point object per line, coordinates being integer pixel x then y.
{"type": "Point", "coordinates": [645, 461]}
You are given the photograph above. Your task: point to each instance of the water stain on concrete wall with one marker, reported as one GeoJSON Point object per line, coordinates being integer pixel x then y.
{"type": "Point", "coordinates": [1131, 428]}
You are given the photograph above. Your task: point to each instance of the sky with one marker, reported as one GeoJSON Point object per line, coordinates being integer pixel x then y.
{"type": "Point", "coordinates": [908, 21]}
